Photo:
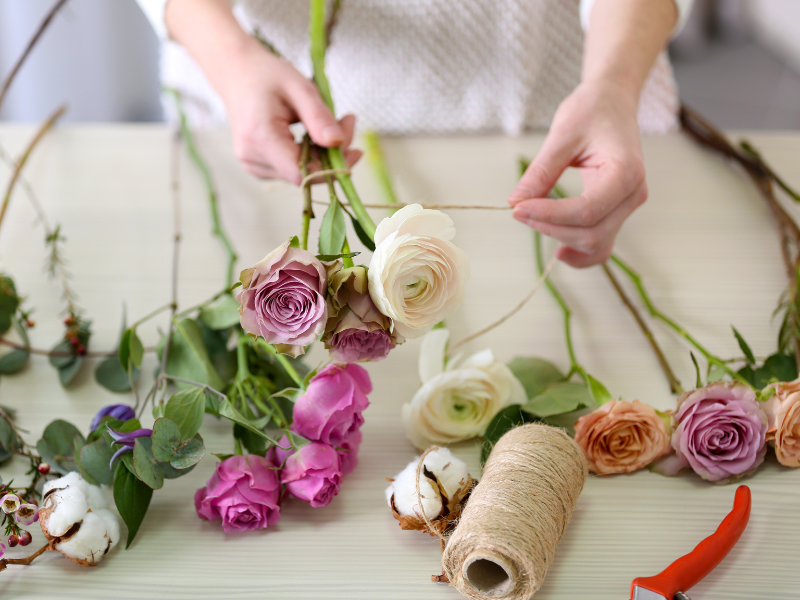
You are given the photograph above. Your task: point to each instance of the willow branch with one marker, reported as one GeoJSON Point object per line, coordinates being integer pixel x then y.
{"type": "Point", "coordinates": [48, 18]}
{"type": "Point", "coordinates": [24, 158]}
{"type": "Point", "coordinates": [674, 384]}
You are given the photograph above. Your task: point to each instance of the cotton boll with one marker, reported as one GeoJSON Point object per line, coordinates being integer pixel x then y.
{"type": "Point", "coordinates": [91, 542]}
{"type": "Point", "coordinates": [94, 495]}
{"type": "Point", "coordinates": [112, 524]}
{"type": "Point", "coordinates": [451, 472]}
{"type": "Point", "coordinates": [404, 489]}
{"type": "Point", "coordinates": [62, 508]}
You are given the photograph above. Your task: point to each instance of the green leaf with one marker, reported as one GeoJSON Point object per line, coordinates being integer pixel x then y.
{"type": "Point", "coordinates": [503, 422]}
{"type": "Point", "coordinates": [135, 350]}
{"type": "Point", "coordinates": [227, 410]}
{"type": "Point", "coordinates": [560, 399]}
{"type": "Point", "coordinates": [699, 382]}
{"type": "Point", "coordinates": [333, 229]}
{"type": "Point", "coordinates": [186, 408]}
{"type": "Point", "coordinates": [145, 464]}
{"type": "Point", "coordinates": [13, 361]}
{"type": "Point", "coordinates": [67, 374]}
{"type": "Point", "coordinates": [132, 498]}
{"type": "Point", "coordinates": [171, 472]}
{"type": "Point", "coordinates": [254, 444]}
{"type": "Point", "coordinates": [237, 284]}
{"type": "Point", "coordinates": [294, 242]}
{"type": "Point", "coordinates": [65, 355]}
{"type": "Point", "coordinates": [166, 439]}
{"type": "Point", "coordinates": [368, 242]}
{"type": "Point", "coordinates": [717, 374]}
{"type": "Point", "coordinates": [778, 367]}
{"type": "Point", "coordinates": [124, 352]}
{"type": "Point", "coordinates": [9, 303]}
{"type": "Point", "coordinates": [599, 392]}
{"type": "Point", "coordinates": [112, 376]}
{"type": "Point", "coordinates": [8, 439]}
{"type": "Point", "coordinates": [748, 354]}
{"type": "Point", "coordinates": [57, 445]}
{"type": "Point", "coordinates": [76, 452]}
{"type": "Point", "coordinates": [158, 410]}
{"type": "Point", "coordinates": [96, 458]}
{"type": "Point", "coordinates": [332, 257]}
{"type": "Point", "coordinates": [102, 427]}
{"type": "Point", "coordinates": [222, 314]}
{"type": "Point", "coordinates": [188, 454]}
{"type": "Point", "coordinates": [188, 357]}
{"type": "Point", "coordinates": [129, 426]}
{"type": "Point", "coordinates": [216, 343]}
{"type": "Point", "coordinates": [535, 374]}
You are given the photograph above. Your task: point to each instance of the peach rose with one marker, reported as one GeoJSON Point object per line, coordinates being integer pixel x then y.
{"type": "Point", "coordinates": [783, 410]}
{"type": "Point", "coordinates": [621, 437]}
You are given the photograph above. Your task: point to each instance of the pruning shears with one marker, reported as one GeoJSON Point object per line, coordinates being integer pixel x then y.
{"type": "Point", "coordinates": [674, 581]}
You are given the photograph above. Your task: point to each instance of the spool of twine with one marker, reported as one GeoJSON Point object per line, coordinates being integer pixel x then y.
{"type": "Point", "coordinates": [507, 536]}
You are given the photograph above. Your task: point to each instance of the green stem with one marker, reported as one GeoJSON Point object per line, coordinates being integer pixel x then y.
{"type": "Point", "coordinates": [375, 157]}
{"type": "Point", "coordinates": [156, 312]}
{"type": "Point", "coordinates": [237, 447]}
{"type": "Point", "coordinates": [575, 366]}
{"type": "Point", "coordinates": [318, 39]}
{"type": "Point", "coordinates": [285, 363]}
{"type": "Point", "coordinates": [242, 370]}
{"type": "Point", "coordinates": [348, 261]}
{"type": "Point", "coordinates": [308, 210]}
{"type": "Point", "coordinates": [657, 314]}
{"type": "Point", "coordinates": [191, 309]}
{"type": "Point", "coordinates": [208, 181]}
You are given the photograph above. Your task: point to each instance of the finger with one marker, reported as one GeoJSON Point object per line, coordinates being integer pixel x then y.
{"type": "Point", "coordinates": [270, 149]}
{"type": "Point", "coordinates": [613, 186]}
{"type": "Point", "coordinates": [579, 260]}
{"type": "Point", "coordinates": [352, 156]}
{"type": "Point", "coordinates": [321, 125]}
{"type": "Point", "coordinates": [542, 174]}
{"type": "Point", "coordinates": [259, 170]}
{"type": "Point", "coordinates": [348, 123]}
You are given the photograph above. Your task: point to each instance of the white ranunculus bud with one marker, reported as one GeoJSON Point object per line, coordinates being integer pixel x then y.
{"type": "Point", "coordinates": [74, 518]}
{"type": "Point", "coordinates": [416, 274]}
{"type": "Point", "coordinates": [457, 402]}
{"type": "Point", "coordinates": [444, 486]}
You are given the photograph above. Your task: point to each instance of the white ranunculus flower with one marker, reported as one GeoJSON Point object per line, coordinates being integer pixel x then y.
{"type": "Point", "coordinates": [417, 274]}
{"type": "Point", "coordinates": [457, 402]}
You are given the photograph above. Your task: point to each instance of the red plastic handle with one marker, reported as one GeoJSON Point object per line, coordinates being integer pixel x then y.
{"type": "Point", "coordinates": [688, 570]}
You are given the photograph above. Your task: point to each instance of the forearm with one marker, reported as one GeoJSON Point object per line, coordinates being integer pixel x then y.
{"type": "Point", "coordinates": [624, 38]}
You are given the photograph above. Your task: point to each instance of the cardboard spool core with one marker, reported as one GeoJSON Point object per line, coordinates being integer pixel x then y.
{"type": "Point", "coordinates": [489, 574]}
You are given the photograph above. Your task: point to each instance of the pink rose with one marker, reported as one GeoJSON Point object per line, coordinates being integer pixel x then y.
{"type": "Point", "coordinates": [283, 299]}
{"type": "Point", "coordinates": [313, 474]}
{"type": "Point", "coordinates": [721, 431]}
{"type": "Point", "coordinates": [783, 410]}
{"type": "Point", "coordinates": [244, 491]}
{"type": "Point", "coordinates": [330, 409]}
{"type": "Point", "coordinates": [621, 437]}
{"type": "Point", "coordinates": [348, 453]}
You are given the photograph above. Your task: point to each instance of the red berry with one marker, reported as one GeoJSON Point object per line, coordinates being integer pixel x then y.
{"type": "Point", "coordinates": [81, 350]}
{"type": "Point", "coordinates": [44, 468]}
{"type": "Point", "coordinates": [25, 538]}
{"type": "Point", "coordinates": [69, 321]}
{"type": "Point", "coordinates": [30, 323]}
{"type": "Point", "coordinates": [74, 342]}
{"type": "Point", "coordinates": [13, 540]}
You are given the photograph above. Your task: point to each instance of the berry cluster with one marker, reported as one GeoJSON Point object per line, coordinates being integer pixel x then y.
{"type": "Point", "coordinates": [17, 513]}
{"type": "Point", "coordinates": [75, 334]}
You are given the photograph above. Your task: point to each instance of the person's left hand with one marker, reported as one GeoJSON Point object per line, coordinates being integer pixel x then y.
{"type": "Point", "coordinates": [595, 130]}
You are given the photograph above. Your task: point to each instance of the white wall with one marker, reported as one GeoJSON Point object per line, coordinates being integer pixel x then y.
{"type": "Point", "coordinates": [100, 56]}
{"type": "Point", "coordinates": [776, 25]}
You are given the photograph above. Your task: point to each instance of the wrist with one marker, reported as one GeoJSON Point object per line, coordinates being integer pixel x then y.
{"type": "Point", "coordinates": [620, 90]}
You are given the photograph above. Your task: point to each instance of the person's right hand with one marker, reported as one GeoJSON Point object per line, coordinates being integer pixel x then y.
{"type": "Point", "coordinates": [263, 96]}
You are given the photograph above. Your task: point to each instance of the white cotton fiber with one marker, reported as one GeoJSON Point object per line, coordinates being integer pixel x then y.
{"type": "Point", "coordinates": [68, 507]}
{"type": "Point", "coordinates": [451, 472]}
{"type": "Point", "coordinates": [112, 524]}
{"type": "Point", "coordinates": [90, 542]}
{"type": "Point", "coordinates": [404, 489]}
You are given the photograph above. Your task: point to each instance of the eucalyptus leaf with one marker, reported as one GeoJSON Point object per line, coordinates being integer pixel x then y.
{"type": "Point", "coordinates": [186, 408]}
{"type": "Point", "coordinates": [8, 439]}
{"type": "Point", "coordinates": [560, 399]}
{"type": "Point", "coordinates": [132, 498]}
{"type": "Point", "coordinates": [103, 427]}
{"type": "Point", "coordinates": [136, 350]}
{"type": "Point", "coordinates": [535, 374]}
{"type": "Point", "coordinates": [62, 355]}
{"type": "Point", "coordinates": [13, 361]}
{"type": "Point", "coordinates": [110, 375]}
{"type": "Point", "coordinates": [333, 230]}
{"type": "Point", "coordinates": [57, 445]}
{"type": "Point", "coordinates": [76, 456]}
{"type": "Point", "coordinates": [158, 409]}
{"type": "Point", "coordinates": [9, 303]}
{"type": "Point", "coordinates": [124, 351]}
{"type": "Point", "coordinates": [145, 464]}
{"type": "Point", "coordinates": [222, 314]}
{"type": "Point", "coordinates": [96, 460]}
{"type": "Point", "coordinates": [166, 439]}
{"type": "Point", "coordinates": [188, 454]}
{"type": "Point", "coordinates": [67, 375]}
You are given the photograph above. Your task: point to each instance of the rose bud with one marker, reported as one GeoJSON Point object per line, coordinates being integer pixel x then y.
{"type": "Point", "coordinates": [27, 514]}
{"type": "Point", "coordinates": [356, 330]}
{"type": "Point", "coordinates": [9, 503]}
{"type": "Point", "coordinates": [444, 487]}
{"type": "Point", "coordinates": [312, 473]}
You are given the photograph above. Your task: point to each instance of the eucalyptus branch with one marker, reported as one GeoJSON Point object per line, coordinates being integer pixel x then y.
{"type": "Point", "coordinates": [208, 180]}
{"type": "Point", "coordinates": [43, 129]}
{"type": "Point", "coordinates": [657, 314]}
{"type": "Point", "coordinates": [674, 384]}
{"type": "Point", "coordinates": [44, 24]}
{"type": "Point", "coordinates": [319, 37]}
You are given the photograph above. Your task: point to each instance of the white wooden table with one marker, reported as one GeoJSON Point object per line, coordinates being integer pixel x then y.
{"type": "Point", "coordinates": [704, 243]}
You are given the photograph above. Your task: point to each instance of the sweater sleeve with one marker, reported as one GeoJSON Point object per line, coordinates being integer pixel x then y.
{"type": "Point", "coordinates": [684, 9]}
{"type": "Point", "coordinates": [154, 11]}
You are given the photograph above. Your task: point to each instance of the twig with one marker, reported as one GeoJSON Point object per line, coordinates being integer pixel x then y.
{"type": "Point", "coordinates": [24, 158]}
{"type": "Point", "coordinates": [11, 424]}
{"type": "Point", "coordinates": [308, 180]}
{"type": "Point", "coordinates": [430, 206]}
{"type": "Point", "coordinates": [674, 385]}
{"type": "Point", "coordinates": [23, 561]}
{"type": "Point", "coordinates": [511, 313]}
{"type": "Point", "coordinates": [49, 17]}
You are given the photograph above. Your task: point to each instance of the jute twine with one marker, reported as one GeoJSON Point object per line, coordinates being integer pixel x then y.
{"type": "Point", "coordinates": [515, 517]}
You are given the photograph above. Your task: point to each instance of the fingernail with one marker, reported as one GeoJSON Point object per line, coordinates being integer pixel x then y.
{"type": "Point", "coordinates": [519, 193]}
{"type": "Point", "coordinates": [332, 134]}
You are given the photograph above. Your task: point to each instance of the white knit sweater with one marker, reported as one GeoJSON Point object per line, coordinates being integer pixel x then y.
{"type": "Point", "coordinates": [430, 66]}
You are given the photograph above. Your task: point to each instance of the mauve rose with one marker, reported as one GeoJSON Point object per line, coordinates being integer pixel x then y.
{"type": "Point", "coordinates": [330, 409]}
{"type": "Point", "coordinates": [721, 432]}
{"type": "Point", "coordinates": [283, 299]}
{"type": "Point", "coordinates": [244, 492]}
{"type": "Point", "coordinates": [783, 410]}
{"type": "Point", "coordinates": [356, 329]}
{"type": "Point", "coordinates": [621, 437]}
{"type": "Point", "coordinates": [313, 474]}
{"type": "Point", "coordinates": [348, 453]}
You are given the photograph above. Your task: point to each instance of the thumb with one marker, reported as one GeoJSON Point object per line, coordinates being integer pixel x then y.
{"type": "Point", "coordinates": [543, 173]}
{"type": "Point", "coordinates": [320, 123]}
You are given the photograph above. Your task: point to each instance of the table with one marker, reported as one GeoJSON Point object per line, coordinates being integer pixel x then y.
{"type": "Point", "coordinates": [704, 243]}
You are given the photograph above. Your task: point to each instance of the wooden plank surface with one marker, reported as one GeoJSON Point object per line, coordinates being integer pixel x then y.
{"type": "Point", "coordinates": [704, 243]}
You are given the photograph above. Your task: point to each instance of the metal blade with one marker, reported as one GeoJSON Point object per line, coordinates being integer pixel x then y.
{"type": "Point", "coordinates": [640, 593]}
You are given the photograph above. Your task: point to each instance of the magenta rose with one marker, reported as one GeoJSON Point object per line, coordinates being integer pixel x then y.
{"type": "Point", "coordinates": [348, 453]}
{"type": "Point", "coordinates": [244, 492]}
{"type": "Point", "coordinates": [330, 409]}
{"type": "Point", "coordinates": [283, 299]}
{"type": "Point", "coordinates": [313, 474]}
{"type": "Point", "coordinates": [721, 432]}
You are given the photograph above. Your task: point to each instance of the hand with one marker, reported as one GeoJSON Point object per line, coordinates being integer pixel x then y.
{"type": "Point", "coordinates": [595, 130]}
{"type": "Point", "coordinates": [263, 96]}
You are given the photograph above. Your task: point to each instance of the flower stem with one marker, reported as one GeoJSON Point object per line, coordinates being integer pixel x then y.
{"type": "Point", "coordinates": [154, 313]}
{"type": "Point", "coordinates": [285, 363]}
{"type": "Point", "coordinates": [242, 370]}
{"type": "Point", "coordinates": [376, 158]}
{"type": "Point", "coordinates": [657, 314]}
{"type": "Point", "coordinates": [318, 34]}
{"type": "Point", "coordinates": [308, 211]}
{"type": "Point", "coordinates": [200, 163]}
